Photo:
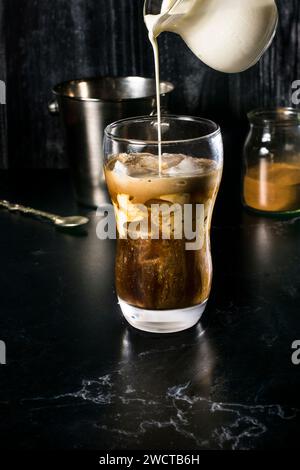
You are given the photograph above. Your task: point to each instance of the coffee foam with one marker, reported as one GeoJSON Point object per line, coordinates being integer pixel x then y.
{"type": "Point", "coordinates": [145, 164]}
{"type": "Point", "coordinates": [138, 175]}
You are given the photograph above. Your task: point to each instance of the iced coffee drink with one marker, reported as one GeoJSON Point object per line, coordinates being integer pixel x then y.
{"type": "Point", "coordinates": [163, 197]}
{"type": "Point", "coordinates": [161, 274]}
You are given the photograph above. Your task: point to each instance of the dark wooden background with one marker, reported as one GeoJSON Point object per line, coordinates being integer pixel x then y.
{"type": "Point", "coordinates": [44, 42]}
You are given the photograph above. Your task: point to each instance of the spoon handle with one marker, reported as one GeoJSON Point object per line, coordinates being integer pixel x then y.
{"type": "Point", "coordinates": [27, 210]}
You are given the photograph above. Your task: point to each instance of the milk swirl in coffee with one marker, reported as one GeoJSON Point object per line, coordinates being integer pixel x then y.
{"type": "Point", "coordinates": [161, 273]}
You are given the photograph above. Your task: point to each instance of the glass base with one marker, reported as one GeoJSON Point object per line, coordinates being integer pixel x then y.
{"type": "Point", "coordinates": [162, 321]}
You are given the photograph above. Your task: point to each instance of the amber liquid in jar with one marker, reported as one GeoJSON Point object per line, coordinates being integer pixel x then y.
{"type": "Point", "coordinates": [273, 187]}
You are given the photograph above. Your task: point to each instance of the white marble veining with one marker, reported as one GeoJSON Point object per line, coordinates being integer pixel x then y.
{"type": "Point", "coordinates": [176, 408]}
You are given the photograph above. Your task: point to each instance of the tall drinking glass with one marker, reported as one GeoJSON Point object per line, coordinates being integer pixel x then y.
{"type": "Point", "coordinates": [163, 208]}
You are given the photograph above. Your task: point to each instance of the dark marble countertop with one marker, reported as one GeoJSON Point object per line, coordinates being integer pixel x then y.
{"type": "Point", "coordinates": [77, 376]}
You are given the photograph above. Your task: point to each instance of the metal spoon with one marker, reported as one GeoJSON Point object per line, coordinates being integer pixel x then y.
{"type": "Point", "coordinates": [59, 221]}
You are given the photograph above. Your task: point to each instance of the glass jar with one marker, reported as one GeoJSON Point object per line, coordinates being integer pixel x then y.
{"type": "Point", "coordinates": [271, 176]}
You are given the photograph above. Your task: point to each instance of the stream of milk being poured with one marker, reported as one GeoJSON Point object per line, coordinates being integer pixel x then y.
{"type": "Point", "coordinates": [154, 43]}
{"type": "Point", "coordinates": [152, 22]}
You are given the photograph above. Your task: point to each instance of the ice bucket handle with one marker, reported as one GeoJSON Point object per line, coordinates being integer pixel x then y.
{"type": "Point", "coordinates": [163, 110]}
{"type": "Point", "coordinates": [53, 107]}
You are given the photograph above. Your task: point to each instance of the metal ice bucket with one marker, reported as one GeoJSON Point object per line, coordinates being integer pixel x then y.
{"type": "Point", "coordinates": [86, 107]}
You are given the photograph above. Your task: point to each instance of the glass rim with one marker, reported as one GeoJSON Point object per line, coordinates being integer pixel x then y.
{"type": "Point", "coordinates": [280, 116]}
{"type": "Point", "coordinates": [171, 117]}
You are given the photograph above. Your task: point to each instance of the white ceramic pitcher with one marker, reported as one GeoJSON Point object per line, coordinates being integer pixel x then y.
{"type": "Point", "coordinates": [228, 35]}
